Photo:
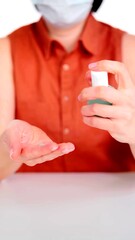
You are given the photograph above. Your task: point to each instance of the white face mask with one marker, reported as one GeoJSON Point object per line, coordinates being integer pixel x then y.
{"type": "Point", "coordinates": [64, 13]}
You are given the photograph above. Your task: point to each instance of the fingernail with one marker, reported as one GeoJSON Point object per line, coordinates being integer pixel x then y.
{"type": "Point", "coordinates": [11, 154]}
{"type": "Point", "coordinates": [72, 148]}
{"type": "Point", "coordinates": [68, 150]}
{"type": "Point", "coordinates": [52, 147]}
{"type": "Point", "coordinates": [13, 157]}
{"type": "Point", "coordinates": [80, 97]}
{"type": "Point", "coordinates": [65, 151]}
{"type": "Point", "coordinates": [92, 65]}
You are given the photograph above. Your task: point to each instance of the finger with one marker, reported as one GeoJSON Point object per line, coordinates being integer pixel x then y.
{"type": "Point", "coordinates": [17, 135]}
{"type": "Point", "coordinates": [109, 94]}
{"type": "Point", "coordinates": [119, 70]}
{"type": "Point", "coordinates": [105, 111]}
{"type": "Point", "coordinates": [35, 151]}
{"type": "Point", "coordinates": [64, 148]}
{"type": "Point", "coordinates": [100, 123]}
{"type": "Point", "coordinates": [11, 140]}
{"type": "Point", "coordinates": [20, 135]}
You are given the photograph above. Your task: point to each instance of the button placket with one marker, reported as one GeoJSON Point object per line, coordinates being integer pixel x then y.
{"type": "Point", "coordinates": [65, 97]}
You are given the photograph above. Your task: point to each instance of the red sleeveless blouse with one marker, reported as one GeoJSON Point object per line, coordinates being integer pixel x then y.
{"type": "Point", "coordinates": [48, 81]}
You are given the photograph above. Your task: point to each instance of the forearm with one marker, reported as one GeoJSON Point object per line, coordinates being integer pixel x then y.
{"type": "Point", "coordinates": [7, 165]}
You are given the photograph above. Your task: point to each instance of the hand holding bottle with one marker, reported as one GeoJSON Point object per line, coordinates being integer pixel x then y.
{"type": "Point", "coordinates": [119, 118]}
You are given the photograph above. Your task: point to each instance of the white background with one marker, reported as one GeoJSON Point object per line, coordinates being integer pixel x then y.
{"type": "Point", "coordinates": [119, 13]}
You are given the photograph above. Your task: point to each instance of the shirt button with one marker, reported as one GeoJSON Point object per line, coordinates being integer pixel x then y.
{"type": "Point", "coordinates": [66, 98]}
{"type": "Point", "coordinates": [66, 131]}
{"type": "Point", "coordinates": [66, 67]}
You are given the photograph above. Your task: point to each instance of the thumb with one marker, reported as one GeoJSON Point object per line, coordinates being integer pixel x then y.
{"type": "Point", "coordinates": [13, 137]}
{"type": "Point", "coordinates": [119, 70]}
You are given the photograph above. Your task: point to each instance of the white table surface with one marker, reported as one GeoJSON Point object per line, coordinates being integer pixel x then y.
{"type": "Point", "coordinates": [68, 207]}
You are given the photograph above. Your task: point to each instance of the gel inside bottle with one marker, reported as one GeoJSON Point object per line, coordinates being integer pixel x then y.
{"type": "Point", "coordinates": [99, 79]}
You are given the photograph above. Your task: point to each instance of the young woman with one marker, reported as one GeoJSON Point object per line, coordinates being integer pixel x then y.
{"type": "Point", "coordinates": [42, 73]}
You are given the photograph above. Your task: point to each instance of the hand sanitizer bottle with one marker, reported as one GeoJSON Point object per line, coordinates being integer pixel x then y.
{"type": "Point", "coordinates": [99, 79]}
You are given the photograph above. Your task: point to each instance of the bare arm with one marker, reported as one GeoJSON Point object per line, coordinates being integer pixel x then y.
{"type": "Point", "coordinates": [128, 57]}
{"type": "Point", "coordinates": [7, 105]}
{"type": "Point", "coordinates": [20, 142]}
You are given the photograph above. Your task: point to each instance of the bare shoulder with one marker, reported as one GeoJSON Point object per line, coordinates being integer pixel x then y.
{"type": "Point", "coordinates": [6, 65]}
{"type": "Point", "coordinates": [128, 53]}
{"type": "Point", "coordinates": [5, 53]}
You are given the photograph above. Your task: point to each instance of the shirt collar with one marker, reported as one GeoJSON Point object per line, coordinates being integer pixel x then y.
{"type": "Point", "coordinates": [42, 36]}
{"type": "Point", "coordinates": [90, 38]}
